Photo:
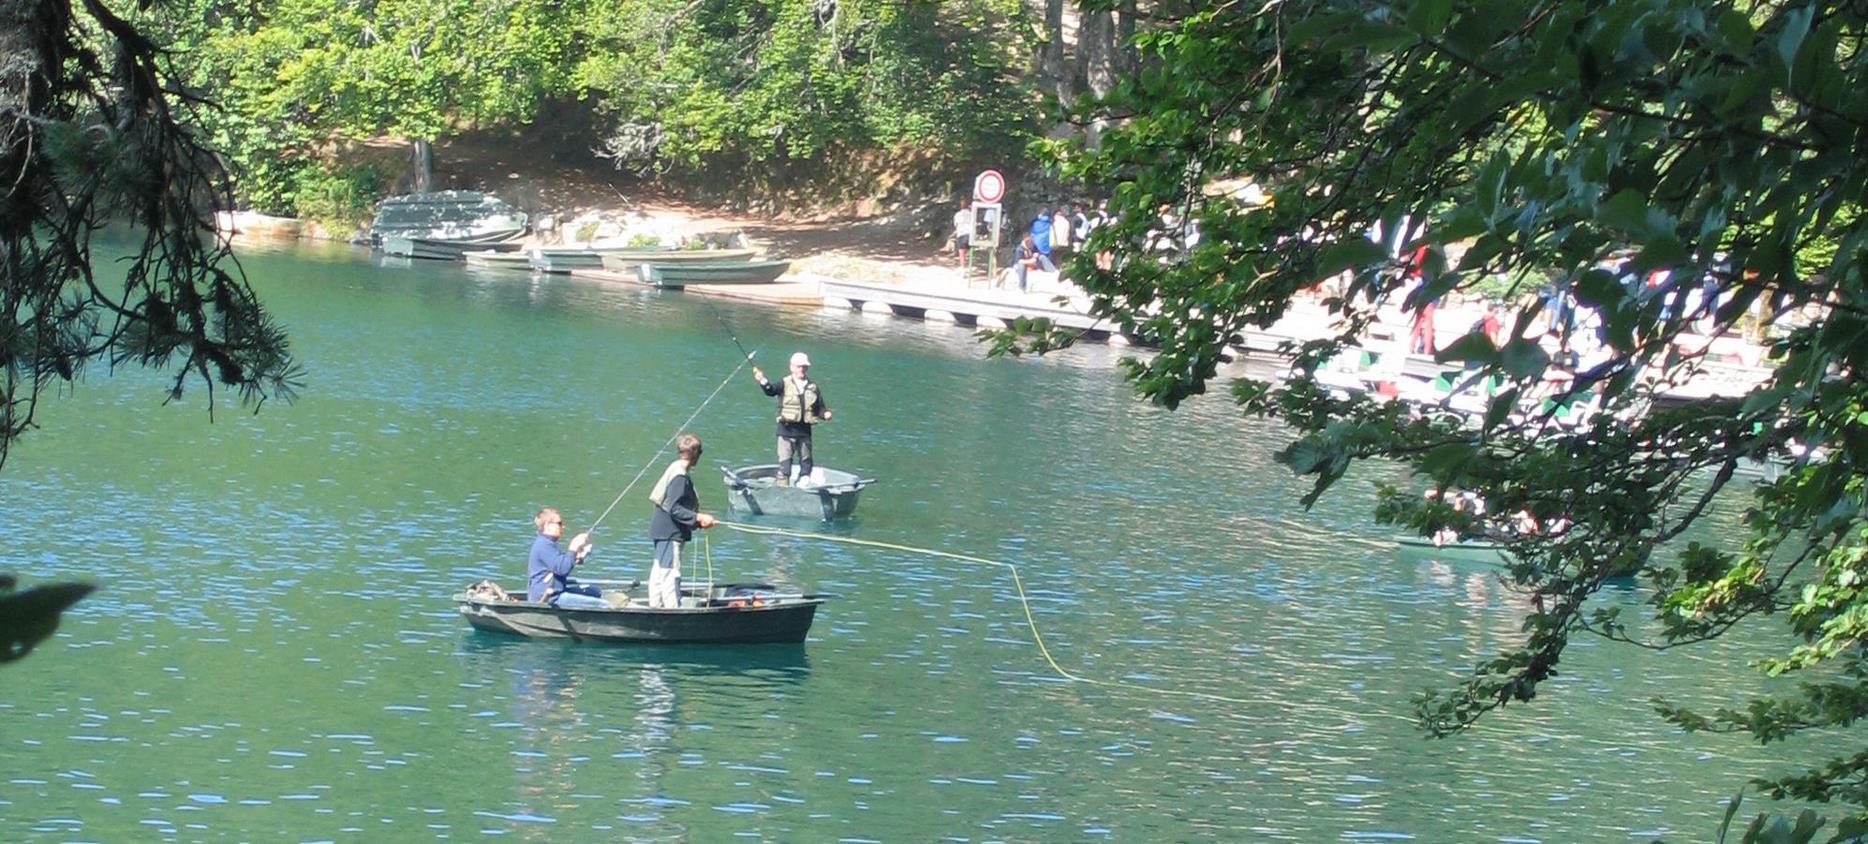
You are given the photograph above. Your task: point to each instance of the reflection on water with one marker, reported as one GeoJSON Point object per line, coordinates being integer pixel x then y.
{"type": "Point", "coordinates": [273, 653]}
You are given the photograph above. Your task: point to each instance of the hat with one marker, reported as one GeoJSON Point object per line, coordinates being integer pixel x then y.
{"type": "Point", "coordinates": [800, 359]}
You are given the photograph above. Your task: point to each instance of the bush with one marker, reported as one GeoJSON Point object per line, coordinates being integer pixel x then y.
{"type": "Point", "coordinates": [338, 196]}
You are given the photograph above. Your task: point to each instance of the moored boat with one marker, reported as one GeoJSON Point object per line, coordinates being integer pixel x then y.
{"type": "Point", "coordinates": [564, 259]}
{"type": "Point", "coordinates": [626, 261]}
{"type": "Point", "coordinates": [503, 260]}
{"type": "Point", "coordinates": [829, 494]}
{"type": "Point", "coordinates": [446, 215]}
{"type": "Point", "coordinates": [661, 274]}
{"type": "Point", "coordinates": [1474, 550]}
{"type": "Point", "coordinates": [440, 249]}
{"type": "Point", "coordinates": [729, 613]}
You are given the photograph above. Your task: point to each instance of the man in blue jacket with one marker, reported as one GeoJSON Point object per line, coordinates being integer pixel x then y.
{"type": "Point", "coordinates": [677, 514]}
{"type": "Point", "coordinates": [1041, 239]}
{"type": "Point", "coordinates": [547, 570]}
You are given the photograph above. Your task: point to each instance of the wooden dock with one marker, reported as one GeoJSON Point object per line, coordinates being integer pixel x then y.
{"type": "Point", "coordinates": [973, 306]}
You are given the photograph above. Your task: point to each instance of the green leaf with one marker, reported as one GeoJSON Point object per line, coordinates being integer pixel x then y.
{"type": "Point", "coordinates": [1523, 359]}
{"type": "Point", "coordinates": [1447, 462]}
{"type": "Point", "coordinates": [1374, 37]}
{"type": "Point", "coordinates": [1351, 253]}
{"type": "Point", "coordinates": [1500, 407]}
{"type": "Point", "coordinates": [1626, 211]}
{"type": "Point", "coordinates": [1474, 347]}
{"type": "Point", "coordinates": [1429, 17]}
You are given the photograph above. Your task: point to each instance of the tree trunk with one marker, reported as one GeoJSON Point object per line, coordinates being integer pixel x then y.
{"type": "Point", "coordinates": [421, 167]}
{"type": "Point", "coordinates": [1097, 52]}
{"type": "Point", "coordinates": [1125, 59]}
{"type": "Point", "coordinates": [1054, 69]}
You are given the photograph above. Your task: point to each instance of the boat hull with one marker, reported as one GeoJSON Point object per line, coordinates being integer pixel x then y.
{"type": "Point", "coordinates": [755, 490]}
{"type": "Point", "coordinates": [627, 261]}
{"type": "Point", "coordinates": [711, 272]}
{"type": "Point", "coordinates": [1476, 552]}
{"type": "Point", "coordinates": [714, 621]}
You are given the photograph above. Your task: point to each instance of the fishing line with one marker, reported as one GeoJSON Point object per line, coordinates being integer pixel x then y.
{"type": "Point", "coordinates": [670, 441]}
{"type": "Point", "coordinates": [1031, 620]}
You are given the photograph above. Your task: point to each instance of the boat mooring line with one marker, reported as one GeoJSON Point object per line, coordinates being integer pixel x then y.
{"type": "Point", "coordinates": [670, 441]}
{"type": "Point", "coordinates": [1031, 621]}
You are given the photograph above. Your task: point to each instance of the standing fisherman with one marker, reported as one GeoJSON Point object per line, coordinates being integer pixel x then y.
{"type": "Point", "coordinates": [677, 514]}
{"type": "Point", "coordinates": [800, 405]}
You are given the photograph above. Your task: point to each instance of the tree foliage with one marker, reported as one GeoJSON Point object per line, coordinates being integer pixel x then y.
{"type": "Point", "coordinates": [749, 82]}
{"type": "Point", "coordinates": [1708, 140]}
{"type": "Point", "coordinates": [297, 77]}
{"type": "Point", "coordinates": [93, 132]}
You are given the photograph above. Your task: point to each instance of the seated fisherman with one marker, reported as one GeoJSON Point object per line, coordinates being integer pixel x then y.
{"type": "Point", "coordinates": [547, 569]}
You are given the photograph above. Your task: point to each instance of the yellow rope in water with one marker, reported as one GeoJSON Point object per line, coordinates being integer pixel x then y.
{"type": "Point", "coordinates": [1031, 621]}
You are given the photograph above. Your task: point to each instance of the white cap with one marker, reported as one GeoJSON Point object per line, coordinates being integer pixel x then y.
{"type": "Point", "coordinates": [800, 359]}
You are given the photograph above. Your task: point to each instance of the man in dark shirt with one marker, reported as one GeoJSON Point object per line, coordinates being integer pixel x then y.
{"type": "Point", "coordinates": [800, 406]}
{"type": "Point", "coordinates": [677, 514]}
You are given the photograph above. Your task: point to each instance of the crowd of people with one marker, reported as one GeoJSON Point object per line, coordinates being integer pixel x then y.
{"type": "Point", "coordinates": [676, 513]}
{"type": "Point", "coordinates": [1043, 242]}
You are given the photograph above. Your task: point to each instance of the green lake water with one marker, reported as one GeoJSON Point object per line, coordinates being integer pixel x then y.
{"type": "Point", "coordinates": [272, 654]}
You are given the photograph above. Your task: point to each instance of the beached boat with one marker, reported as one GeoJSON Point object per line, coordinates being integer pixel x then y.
{"type": "Point", "coordinates": [437, 249]}
{"type": "Point", "coordinates": [830, 494]}
{"type": "Point", "coordinates": [628, 260]}
{"type": "Point", "coordinates": [683, 274]}
{"type": "Point", "coordinates": [446, 215]}
{"type": "Point", "coordinates": [720, 614]}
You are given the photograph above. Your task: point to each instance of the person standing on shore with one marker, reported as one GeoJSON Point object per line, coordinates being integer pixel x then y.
{"type": "Point", "coordinates": [962, 231]}
{"type": "Point", "coordinates": [677, 514]}
{"type": "Point", "coordinates": [1041, 239]}
{"type": "Point", "coordinates": [800, 406]}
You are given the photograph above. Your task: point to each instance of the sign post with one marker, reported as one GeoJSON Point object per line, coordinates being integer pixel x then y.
{"type": "Point", "coordinates": [988, 190]}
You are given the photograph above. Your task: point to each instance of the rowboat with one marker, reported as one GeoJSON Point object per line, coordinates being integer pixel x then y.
{"type": "Point", "coordinates": [442, 249]}
{"type": "Point", "coordinates": [446, 215]}
{"type": "Point", "coordinates": [1478, 550]}
{"type": "Point", "coordinates": [501, 260]}
{"type": "Point", "coordinates": [564, 259]}
{"type": "Point", "coordinates": [830, 494]}
{"type": "Point", "coordinates": [1464, 550]}
{"type": "Point", "coordinates": [628, 260]}
{"type": "Point", "coordinates": [716, 614]}
{"type": "Point", "coordinates": [661, 274]}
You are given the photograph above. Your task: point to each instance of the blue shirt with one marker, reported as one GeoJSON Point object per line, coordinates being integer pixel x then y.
{"type": "Point", "coordinates": [546, 568]}
{"type": "Point", "coordinates": [1041, 234]}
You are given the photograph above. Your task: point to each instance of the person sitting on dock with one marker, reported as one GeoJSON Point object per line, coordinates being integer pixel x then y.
{"type": "Point", "coordinates": [547, 570]}
{"type": "Point", "coordinates": [677, 514]}
{"type": "Point", "coordinates": [800, 406]}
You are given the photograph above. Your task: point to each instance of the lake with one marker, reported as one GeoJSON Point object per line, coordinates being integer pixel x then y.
{"type": "Point", "coordinates": [273, 654]}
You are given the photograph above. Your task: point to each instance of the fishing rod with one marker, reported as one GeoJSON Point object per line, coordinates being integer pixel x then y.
{"type": "Point", "coordinates": [728, 328]}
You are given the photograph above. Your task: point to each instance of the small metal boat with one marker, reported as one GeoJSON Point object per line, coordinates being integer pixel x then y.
{"type": "Point", "coordinates": [675, 275]}
{"type": "Point", "coordinates": [1465, 550]}
{"type": "Point", "coordinates": [627, 261]}
{"type": "Point", "coordinates": [437, 249]}
{"type": "Point", "coordinates": [446, 215]}
{"type": "Point", "coordinates": [717, 614]}
{"type": "Point", "coordinates": [756, 490]}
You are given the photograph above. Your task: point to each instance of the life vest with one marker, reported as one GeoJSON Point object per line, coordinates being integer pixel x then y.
{"type": "Point", "coordinates": [796, 402]}
{"type": "Point", "coordinates": [659, 493]}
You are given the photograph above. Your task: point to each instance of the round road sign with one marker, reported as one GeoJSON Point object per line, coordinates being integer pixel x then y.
{"type": "Point", "coordinates": [989, 186]}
